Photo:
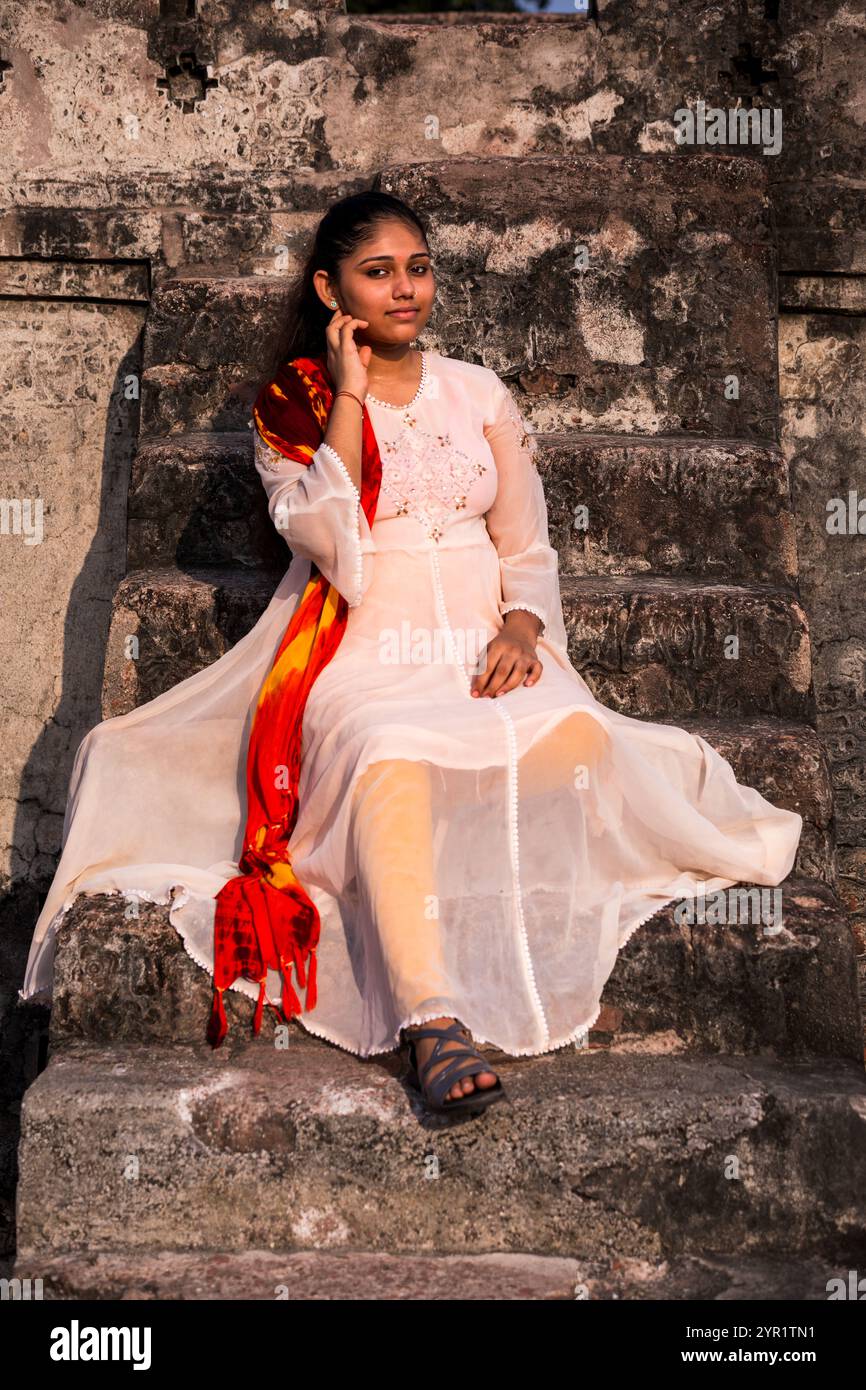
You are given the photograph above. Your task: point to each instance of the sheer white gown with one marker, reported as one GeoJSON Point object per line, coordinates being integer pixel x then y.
{"type": "Point", "coordinates": [484, 858]}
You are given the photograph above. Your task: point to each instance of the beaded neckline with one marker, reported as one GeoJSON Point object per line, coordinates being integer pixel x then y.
{"type": "Point", "coordinates": [421, 384]}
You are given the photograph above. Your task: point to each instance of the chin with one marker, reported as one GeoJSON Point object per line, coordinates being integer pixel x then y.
{"type": "Point", "coordinates": [402, 332]}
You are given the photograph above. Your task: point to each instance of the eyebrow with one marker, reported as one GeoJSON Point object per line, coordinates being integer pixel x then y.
{"type": "Point", "coordinates": [390, 258]}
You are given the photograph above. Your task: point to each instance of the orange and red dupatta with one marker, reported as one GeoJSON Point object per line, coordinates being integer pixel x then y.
{"type": "Point", "coordinates": [264, 919]}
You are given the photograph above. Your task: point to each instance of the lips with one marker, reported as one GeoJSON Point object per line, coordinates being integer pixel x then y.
{"type": "Point", "coordinates": [402, 313]}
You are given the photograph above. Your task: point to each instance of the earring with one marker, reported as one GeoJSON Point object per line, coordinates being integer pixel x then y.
{"type": "Point", "coordinates": [333, 303]}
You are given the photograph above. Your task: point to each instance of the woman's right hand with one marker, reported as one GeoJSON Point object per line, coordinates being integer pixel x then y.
{"type": "Point", "coordinates": [347, 363]}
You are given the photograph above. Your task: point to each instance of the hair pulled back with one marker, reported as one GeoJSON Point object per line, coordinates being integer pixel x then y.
{"type": "Point", "coordinates": [341, 231]}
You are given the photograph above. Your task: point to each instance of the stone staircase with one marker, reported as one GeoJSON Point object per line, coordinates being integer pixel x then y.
{"type": "Point", "coordinates": [711, 1139]}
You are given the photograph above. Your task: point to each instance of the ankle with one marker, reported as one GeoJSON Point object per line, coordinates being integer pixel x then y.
{"type": "Point", "coordinates": [411, 1030]}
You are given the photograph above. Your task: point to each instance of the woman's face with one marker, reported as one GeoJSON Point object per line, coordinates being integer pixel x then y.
{"type": "Point", "coordinates": [389, 272]}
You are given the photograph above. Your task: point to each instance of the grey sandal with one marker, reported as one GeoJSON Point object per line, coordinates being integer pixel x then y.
{"type": "Point", "coordinates": [454, 1070]}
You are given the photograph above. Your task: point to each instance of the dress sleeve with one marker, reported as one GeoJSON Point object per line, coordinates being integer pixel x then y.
{"type": "Point", "coordinates": [517, 519]}
{"type": "Point", "coordinates": [317, 509]}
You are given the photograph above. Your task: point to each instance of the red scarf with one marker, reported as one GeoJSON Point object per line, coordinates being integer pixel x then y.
{"type": "Point", "coordinates": [264, 919]}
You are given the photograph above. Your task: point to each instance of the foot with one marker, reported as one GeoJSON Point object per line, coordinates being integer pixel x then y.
{"type": "Point", "coordinates": [423, 1048]}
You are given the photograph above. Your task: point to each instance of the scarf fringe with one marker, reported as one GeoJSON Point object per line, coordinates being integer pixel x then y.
{"type": "Point", "coordinates": [290, 1008]}
{"type": "Point", "coordinates": [263, 924]}
{"type": "Point", "coordinates": [217, 1026]}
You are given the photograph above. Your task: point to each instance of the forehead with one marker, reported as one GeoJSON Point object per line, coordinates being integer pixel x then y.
{"type": "Point", "coordinates": [391, 238]}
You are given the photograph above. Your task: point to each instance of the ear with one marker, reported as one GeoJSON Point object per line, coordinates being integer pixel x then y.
{"type": "Point", "coordinates": [323, 289]}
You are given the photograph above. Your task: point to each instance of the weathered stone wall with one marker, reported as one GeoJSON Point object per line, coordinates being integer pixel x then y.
{"type": "Point", "coordinates": [65, 458]}
{"type": "Point", "coordinates": [69, 370]}
{"type": "Point", "coordinates": [141, 142]}
{"type": "Point", "coordinates": [98, 104]}
{"type": "Point", "coordinates": [823, 380]}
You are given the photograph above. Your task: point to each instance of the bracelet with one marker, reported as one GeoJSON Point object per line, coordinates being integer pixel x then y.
{"type": "Point", "coordinates": [352, 394]}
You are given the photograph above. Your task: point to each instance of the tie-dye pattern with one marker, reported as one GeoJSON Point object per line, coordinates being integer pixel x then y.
{"type": "Point", "coordinates": [264, 918]}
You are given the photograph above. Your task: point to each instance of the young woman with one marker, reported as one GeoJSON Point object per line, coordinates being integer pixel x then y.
{"type": "Point", "coordinates": [442, 824]}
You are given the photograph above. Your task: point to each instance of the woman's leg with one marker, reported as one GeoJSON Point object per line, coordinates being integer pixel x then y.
{"type": "Point", "coordinates": [393, 837]}
{"type": "Point", "coordinates": [568, 755]}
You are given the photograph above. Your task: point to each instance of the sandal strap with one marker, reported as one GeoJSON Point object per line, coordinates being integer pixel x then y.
{"type": "Point", "coordinates": [454, 1069]}
{"type": "Point", "coordinates": [442, 1082]}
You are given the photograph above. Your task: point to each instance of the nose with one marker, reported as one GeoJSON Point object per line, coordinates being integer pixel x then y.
{"type": "Point", "coordinates": [404, 289]}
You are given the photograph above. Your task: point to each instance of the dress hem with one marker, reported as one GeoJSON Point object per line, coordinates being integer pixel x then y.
{"type": "Point", "coordinates": [242, 986]}
{"type": "Point", "coordinates": [413, 1018]}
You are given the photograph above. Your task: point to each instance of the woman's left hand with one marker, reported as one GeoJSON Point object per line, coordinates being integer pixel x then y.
{"type": "Point", "coordinates": [510, 660]}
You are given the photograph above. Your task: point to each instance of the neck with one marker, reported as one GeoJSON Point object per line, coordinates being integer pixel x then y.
{"type": "Point", "coordinates": [389, 363]}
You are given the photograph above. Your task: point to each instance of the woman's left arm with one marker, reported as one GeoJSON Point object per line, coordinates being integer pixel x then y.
{"type": "Point", "coordinates": [517, 520]}
{"type": "Point", "coordinates": [518, 526]}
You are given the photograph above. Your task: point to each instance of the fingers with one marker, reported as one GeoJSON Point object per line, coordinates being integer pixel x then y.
{"type": "Point", "coordinates": [507, 671]}
{"type": "Point", "coordinates": [342, 323]}
{"type": "Point", "coordinates": [533, 675]}
{"type": "Point", "coordinates": [347, 329]}
{"type": "Point", "coordinates": [485, 681]}
{"type": "Point", "coordinates": [332, 329]}
{"type": "Point", "coordinates": [519, 675]}
{"type": "Point", "coordinates": [498, 661]}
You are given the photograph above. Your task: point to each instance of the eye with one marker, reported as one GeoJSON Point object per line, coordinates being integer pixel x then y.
{"type": "Point", "coordinates": [375, 269]}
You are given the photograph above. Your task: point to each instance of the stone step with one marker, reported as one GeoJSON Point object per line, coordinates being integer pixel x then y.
{"type": "Point", "coordinates": [596, 1155]}
{"type": "Point", "coordinates": [227, 1275]}
{"type": "Point", "coordinates": [209, 343]}
{"type": "Point", "coordinates": [196, 500]}
{"type": "Point", "coordinates": [668, 506]}
{"type": "Point", "coordinates": [730, 986]}
{"type": "Point", "coordinates": [183, 621]}
{"type": "Point", "coordinates": [652, 647]}
{"type": "Point", "coordinates": [661, 648]}
{"type": "Point", "coordinates": [630, 293]}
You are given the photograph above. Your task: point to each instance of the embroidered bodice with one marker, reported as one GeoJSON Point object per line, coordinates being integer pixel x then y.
{"type": "Point", "coordinates": [426, 475]}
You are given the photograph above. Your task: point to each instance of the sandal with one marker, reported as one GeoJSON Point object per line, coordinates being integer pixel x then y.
{"type": "Point", "coordinates": [453, 1070]}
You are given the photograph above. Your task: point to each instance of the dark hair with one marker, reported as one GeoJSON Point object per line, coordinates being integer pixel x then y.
{"type": "Point", "coordinates": [342, 229]}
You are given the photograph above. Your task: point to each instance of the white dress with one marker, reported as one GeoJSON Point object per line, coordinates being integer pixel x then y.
{"type": "Point", "coordinates": [483, 858]}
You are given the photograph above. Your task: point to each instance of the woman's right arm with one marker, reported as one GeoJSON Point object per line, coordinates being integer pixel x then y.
{"type": "Point", "coordinates": [347, 368]}
{"type": "Point", "coordinates": [343, 435]}
{"type": "Point", "coordinates": [316, 506]}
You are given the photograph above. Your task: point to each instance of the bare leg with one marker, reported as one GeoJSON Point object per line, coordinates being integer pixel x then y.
{"type": "Point", "coordinates": [393, 832]}
{"type": "Point", "coordinates": [569, 752]}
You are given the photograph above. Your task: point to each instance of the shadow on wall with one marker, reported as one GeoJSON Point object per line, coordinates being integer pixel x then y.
{"type": "Point", "coordinates": [45, 774]}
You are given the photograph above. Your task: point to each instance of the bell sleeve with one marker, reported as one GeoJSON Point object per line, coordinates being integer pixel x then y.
{"type": "Point", "coordinates": [517, 519]}
{"type": "Point", "coordinates": [317, 509]}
